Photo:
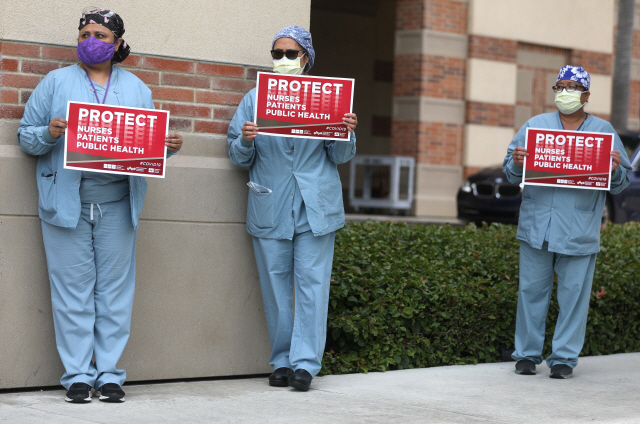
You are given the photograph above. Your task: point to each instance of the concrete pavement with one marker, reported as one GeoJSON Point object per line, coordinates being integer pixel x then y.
{"type": "Point", "coordinates": [604, 389]}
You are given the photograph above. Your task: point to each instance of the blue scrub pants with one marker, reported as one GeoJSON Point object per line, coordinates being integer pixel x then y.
{"type": "Point", "coordinates": [92, 276]}
{"type": "Point", "coordinates": [303, 264]}
{"type": "Point", "coordinates": [575, 275]}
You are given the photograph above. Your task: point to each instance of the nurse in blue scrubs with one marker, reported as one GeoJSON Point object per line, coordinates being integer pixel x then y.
{"type": "Point", "coordinates": [559, 232]}
{"type": "Point", "coordinates": [295, 207]}
{"type": "Point", "coordinates": [89, 219]}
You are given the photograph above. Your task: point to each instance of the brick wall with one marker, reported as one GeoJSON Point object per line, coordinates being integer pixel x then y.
{"type": "Point", "coordinates": [493, 48]}
{"type": "Point", "coordinates": [490, 114]}
{"type": "Point", "coordinates": [440, 144]}
{"type": "Point", "coordinates": [593, 62]}
{"type": "Point", "coordinates": [201, 96]}
{"type": "Point", "coordinates": [445, 16]}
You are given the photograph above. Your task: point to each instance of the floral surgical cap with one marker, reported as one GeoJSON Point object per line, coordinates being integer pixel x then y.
{"type": "Point", "coordinates": [112, 21]}
{"type": "Point", "coordinates": [575, 73]}
{"type": "Point", "coordinates": [303, 37]}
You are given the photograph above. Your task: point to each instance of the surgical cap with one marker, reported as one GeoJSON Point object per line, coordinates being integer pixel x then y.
{"type": "Point", "coordinates": [303, 37]}
{"type": "Point", "coordinates": [575, 73]}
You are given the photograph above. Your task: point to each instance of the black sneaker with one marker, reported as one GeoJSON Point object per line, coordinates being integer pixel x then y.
{"type": "Point", "coordinates": [79, 393]}
{"type": "Point", "coordinates": [525, 367]}
{"type": "Point", "coordinates": [111, 392]}
{"type": "Point", "coordinates": [561, 371]}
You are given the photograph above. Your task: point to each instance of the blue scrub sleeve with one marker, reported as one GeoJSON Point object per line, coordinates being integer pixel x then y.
{"type": "Point", "coordinates": [341, 151]}
{"type": "Point", "coordinates": [241, 151]}
{"type": "Point", "coordinates": [619, 177]}
{"type": "Point", "coordinates": [33, 134]}
{"type": "Point", "coordinates": [513, 171]}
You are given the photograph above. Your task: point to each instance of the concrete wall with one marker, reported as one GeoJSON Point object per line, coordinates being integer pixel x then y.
{"type": "Point", "coordinates": [198, 310]}
{"type": "Point", "coordinates": [221, 30]}
{"type": "Point", "coordinates": [586, 24]}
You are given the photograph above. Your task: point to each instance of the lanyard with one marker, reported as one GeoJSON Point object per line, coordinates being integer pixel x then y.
{"type": "Point", "coordinates": [106, 90]}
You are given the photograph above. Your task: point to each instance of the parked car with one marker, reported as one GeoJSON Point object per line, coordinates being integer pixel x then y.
{"type": "Point", "coordinates": [487, 196]}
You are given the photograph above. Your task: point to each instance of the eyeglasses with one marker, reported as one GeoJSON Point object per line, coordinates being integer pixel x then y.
{"type": "Point", "coordinates": [291, 54]}
{"type": "Point", "coordinates": [568, 88]}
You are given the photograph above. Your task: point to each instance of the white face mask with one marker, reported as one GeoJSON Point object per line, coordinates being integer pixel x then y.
{"type": "Point", "coordinates": [287, 66]}
{"type": "Point", "coordinates": [568, 103]}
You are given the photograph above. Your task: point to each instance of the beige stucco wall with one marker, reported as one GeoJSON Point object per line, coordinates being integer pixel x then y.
{"type": "Point", "coordinates": [485, 145]}
{"type": "Point", "coordinates": [586, 24]}
{"type": "Point", "coordinates": [600, 98]}
{"type": "Point", "coordinates": [490, 81]}
{"type": "Point", "coordinates": [221, 30]}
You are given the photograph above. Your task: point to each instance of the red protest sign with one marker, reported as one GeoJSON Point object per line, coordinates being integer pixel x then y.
{"type": "Point", "coordinates": [116, 140]}
{"type": "Point", "coordinates": [563, 158]}
{"type": "Point", "coordinates": [303, 106]}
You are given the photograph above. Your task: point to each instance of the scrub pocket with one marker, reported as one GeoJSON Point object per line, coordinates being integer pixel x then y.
{"type": "Point", "coordinates": [260, 206]}
{"type": "Point", "coordinates": [585, 228]}
{"type": "Point", "coordinates": [526, 219]}
{"type": "Point", "coordinates": [331, 197]}
{"type": "Point", "coordinates": [47, 193]}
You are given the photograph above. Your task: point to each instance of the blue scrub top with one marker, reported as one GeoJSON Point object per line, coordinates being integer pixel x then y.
{"type": "Point", "coordinates": [301, 172]}
{"type": "Point", "coordinates": [59, 200]}
{"type": "Point", "coordinates": [568, 218]}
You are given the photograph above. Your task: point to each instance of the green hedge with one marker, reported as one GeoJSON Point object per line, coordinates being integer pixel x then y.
{"type": "Point", "coordinates": [409, 296]}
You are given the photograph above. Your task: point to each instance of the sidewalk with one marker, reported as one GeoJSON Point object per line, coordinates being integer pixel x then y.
{"type": "Point", "coordinates": [604, 389]}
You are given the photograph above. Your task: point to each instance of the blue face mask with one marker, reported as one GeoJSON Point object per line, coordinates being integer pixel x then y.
{"type": "Point", "coordinates": [93, 51]}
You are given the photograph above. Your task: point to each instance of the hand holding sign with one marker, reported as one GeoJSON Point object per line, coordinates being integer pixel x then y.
{"type": "Point", "coordinates": [249, 131]}
{"type": "Point", "coordinates": [350, 120]}
{"type": "Point", "coordinates": [518, 156]}
{"type": "Point", "coordinates": [57, 127]}
{"type": "Point", "coordinates": [173, 142]}
{"type": "Point", "coordinates": [615, 159]}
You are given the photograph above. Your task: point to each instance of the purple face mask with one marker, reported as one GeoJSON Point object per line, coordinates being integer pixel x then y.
{"type": "Point", "coordinates": [93, 51]}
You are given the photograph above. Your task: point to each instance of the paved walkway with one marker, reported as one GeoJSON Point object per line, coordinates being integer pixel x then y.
{"type": "Point", "coordinates": [604, 389]}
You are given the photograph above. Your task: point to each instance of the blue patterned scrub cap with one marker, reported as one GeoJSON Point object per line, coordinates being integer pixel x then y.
{"type": "Point", "coordinates": [575, 73]}
{"type": "Point", "coordinates": [303, 37]}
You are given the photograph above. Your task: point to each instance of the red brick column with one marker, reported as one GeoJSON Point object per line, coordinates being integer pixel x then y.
{"type": "Point", "coordinates": [429, 90]}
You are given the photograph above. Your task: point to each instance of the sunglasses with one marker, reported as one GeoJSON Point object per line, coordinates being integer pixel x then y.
{"type": "Point", "coordinates": [291, 54]}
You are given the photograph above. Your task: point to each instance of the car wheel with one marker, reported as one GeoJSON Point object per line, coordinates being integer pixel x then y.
{"type": "Point", "coordinates": [607, 214]}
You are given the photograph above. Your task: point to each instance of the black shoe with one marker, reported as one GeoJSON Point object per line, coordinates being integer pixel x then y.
{"type": "Point", "coordinates": [111, 392]}
{"type": "Point", "coordinates": [300, 379]}
{"type": "Point", "coordinates": [561, 371]}
{"type": "Point", "coordinates": [525, 367]}
{"type": "Point", "coordinates": [280, 377]}
{"type": "Point", "coordinates": [79, 393]}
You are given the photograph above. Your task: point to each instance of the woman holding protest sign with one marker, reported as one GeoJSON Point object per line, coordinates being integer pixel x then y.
{"type": "Point", "coordinates": [559, 232]}
{"type": "Point", "coordinates": [295, 207]}
{"type": "Point", "coordinates": [89, 219]}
